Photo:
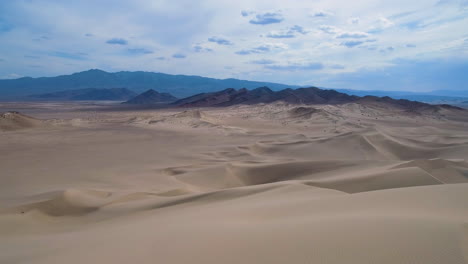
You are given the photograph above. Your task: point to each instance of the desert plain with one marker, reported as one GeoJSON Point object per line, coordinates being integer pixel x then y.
{"type": "Point", "coordinates": [267, 183]}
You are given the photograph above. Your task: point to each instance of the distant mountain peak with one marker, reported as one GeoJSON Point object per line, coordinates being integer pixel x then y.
{"type": "Point", "coordinates": [263, 89]}
{"type": "Point", "coordinates": [90, 71]}
{"type": "Point", "coordinates": [151, 96]}
{"type": "Point", "coordinates": [95, 70]}
{"type": "Point", "coordinates": [149, 92]}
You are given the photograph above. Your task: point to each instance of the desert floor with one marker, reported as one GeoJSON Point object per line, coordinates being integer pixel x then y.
{"type": "Point", "coordinates": [89, 183]}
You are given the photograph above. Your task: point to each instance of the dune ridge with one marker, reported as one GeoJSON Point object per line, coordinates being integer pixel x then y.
{"type": "Point", "coordinates": [14, 121]}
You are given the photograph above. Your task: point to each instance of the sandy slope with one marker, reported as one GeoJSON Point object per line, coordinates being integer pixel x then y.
{"type": "Point", "coordinates": [246, 184]}
{"type": "Point", "coordinates": [10, 121]}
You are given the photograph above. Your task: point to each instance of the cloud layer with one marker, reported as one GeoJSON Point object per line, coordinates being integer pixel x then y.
{"type": "Point", "coordinates": [220, 41]}
{"type": "Point", "coordinates": [291, 32]}
{"type": "Point", "coordinates": [333, 43]}
{"type": "Point", "coordinates": [115, 41]}
{"type": "Point", "coordinates": [267, 18]}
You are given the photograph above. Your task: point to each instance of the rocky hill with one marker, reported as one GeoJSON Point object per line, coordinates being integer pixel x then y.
{"type": "Point", "coordinates": [151, 97]}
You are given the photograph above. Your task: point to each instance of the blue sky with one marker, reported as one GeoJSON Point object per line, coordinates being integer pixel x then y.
{"type": "Point", "coordinates": [388, 45]}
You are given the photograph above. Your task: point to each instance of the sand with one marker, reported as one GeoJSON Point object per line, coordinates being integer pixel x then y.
{"type": "Point", "coordinates": [272, 183]}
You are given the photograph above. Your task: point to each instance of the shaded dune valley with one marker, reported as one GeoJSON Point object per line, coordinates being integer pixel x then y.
{"type": "Point", "coordinates": [357, 182]}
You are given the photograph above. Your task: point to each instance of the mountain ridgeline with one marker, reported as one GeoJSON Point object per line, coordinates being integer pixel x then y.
{"type": "Point", "coordinates": [164, 89]}
{"type": "Point", "coordinates": [177, 85]}
{"type": "Point", "coordinates": [307, 96]}
{"type": "Point", "coordinates": [88, 94]}
{"type": "Point", "coordinates": [151, 97]}
{"type": "Point", "coordinates": [232, 96]}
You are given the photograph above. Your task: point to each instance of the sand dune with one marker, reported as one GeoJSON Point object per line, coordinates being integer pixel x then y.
{"type": "Point", "coordinates": [408, 225]}
{"type": "Point", "coordinates": [446, 171]}
{"type": "Point", "coordinates": [265, 183]}
{"type": "Point", "coordinates": [15, 121]}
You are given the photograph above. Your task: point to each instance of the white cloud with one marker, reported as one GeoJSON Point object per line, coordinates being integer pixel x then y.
{"type": "Point", "coordinates": [201, 48]}
{"type": "Point", "coordinates": [263, 61]}
{"type": "Point", "coordinates": [288, 33]}
{"type": "Point", "coordinates": [321, 14]}
{"type": "Point", "coordinates": [354, 20]}
{"type": "Point", "coordinates": [311, 66]}
{"type": "Point", "coordinates": [381, 24]}
{"type": "Point", "coordinates": [220, 40]}
{"type": "Point", "coordinates": [246, 13]}
{"type": "Point", "coordinates": [179, 56]}
{"type": "Point", "coordinates": [12, 76]}
{"type": "Point", "coordinates": [329, 29]}
{"type": "Point", "coordinates": [357, 35]}
{"type": "Point", "coordinates": [263, 48]}
{"type": "Point", "coordinates": [267, 18]}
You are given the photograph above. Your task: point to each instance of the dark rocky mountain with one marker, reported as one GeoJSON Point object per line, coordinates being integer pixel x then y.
{"type": "Point", "coordinates": [178, 85]}
{"type": "Point", "coordinates": [151, 97]}
{"type": "Point", "coordinates": [221, 98]}
{"type": "Point", "coordinates": [113, 94]}
{"type": "Point", "coordinates": [232, 96]}
{"type": "Point", "coordinates": [312, 95]}
{"type": "Point", "coordinates": [255, 96]}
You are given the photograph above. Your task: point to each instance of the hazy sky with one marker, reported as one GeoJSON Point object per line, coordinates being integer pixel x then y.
{"type": "Point", "coordinates": [361, 44]}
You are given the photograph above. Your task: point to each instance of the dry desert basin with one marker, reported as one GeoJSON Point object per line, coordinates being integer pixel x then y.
{"type": "Point", "coordinates": [268, 183]}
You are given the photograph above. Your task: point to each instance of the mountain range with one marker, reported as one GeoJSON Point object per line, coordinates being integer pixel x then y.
{"type": "Point", "coordinates": [87, 94]}
{"type": "Point", "coordinates": [232, 96]}
{"type": "Point", "coordinates": [311, 95]}
{"type": "Point", "coordinates": [177, 85]}
{"type": "Point", "coordinates": [96, 84]}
